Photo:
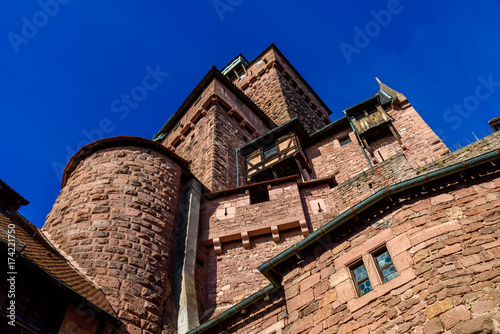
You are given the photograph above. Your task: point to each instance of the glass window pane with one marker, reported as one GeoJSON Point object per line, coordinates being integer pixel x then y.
{"type": "Point", "coordinates": [382, 256]}
{"type": "Point", "coordinates": [365, 287]}
{"type": "Point", "coordinates": [361, 276]}
{"type": "Point", "coordinates": [391, 276]}
{"type": "Point", "coordinates": [387, 268]}
{"type": "Point", "coordinates": [361, 279]}
{"type": "Point", "coordinates": [359, 269]}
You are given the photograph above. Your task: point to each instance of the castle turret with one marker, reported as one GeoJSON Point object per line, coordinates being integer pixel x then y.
{"type": "Point", "coordinates": [115, 219]}
{"type": "Point", "coordinates": [272, 82]}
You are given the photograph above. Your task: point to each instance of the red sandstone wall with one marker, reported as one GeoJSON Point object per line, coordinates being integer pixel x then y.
{"type": "Point", "coordinates": [334, 200]}
{"type": "Point", "coordinates": [229, 135]}
{"type": "Point", "coordinates": [115, 219]}
{"type": "Point", "coordinates": [445, 244]}
{"type": "Point", "coordinates": [422, 143]}
{"type": "Point", "coordinates": [211, 143]}
{"type": "Point", "coordinates": [197, 145]}
{"type": "Point", "coordinates": [231, 275]}
{"type": "Point", "coordinates": [385, 148]}
{"type": "Point", "coordinates": [278, 91]}
{"type": "Point", "coordinates": [328, 158]}
{"type": "Point", "coordinates": [421, 146]}
{"type": "Point", "coordinates": [478, 147]}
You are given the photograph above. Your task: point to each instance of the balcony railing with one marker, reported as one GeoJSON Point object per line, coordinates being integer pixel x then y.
{"type": "Point", "coordinates": [285, 149]}
{"type": "Point", "coordinates": [370, 120]}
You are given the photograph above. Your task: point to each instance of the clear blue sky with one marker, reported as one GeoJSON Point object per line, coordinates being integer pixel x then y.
{"type": "Point", "coordinates": [64, 65]}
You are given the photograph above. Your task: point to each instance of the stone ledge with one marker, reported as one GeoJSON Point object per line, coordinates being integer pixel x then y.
{"type": "Point", "coordinates": [244, 233]}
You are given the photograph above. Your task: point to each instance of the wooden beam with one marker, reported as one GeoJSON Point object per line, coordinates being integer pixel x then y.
{"type": "Point", "coordinates": [299, 166]}
{"type": "Point", "coordinates": [368, 148]}
{"type": "Point", "coordinates": [394, 133]}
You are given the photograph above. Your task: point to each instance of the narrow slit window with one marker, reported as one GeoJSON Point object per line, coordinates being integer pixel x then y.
{"type": "Point", "coordinates": [385, 265]}
{"type": "Point", "coordinates": [361, 279]}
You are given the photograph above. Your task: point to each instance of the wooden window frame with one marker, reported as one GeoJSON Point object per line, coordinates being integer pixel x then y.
{"type": "Point", "coordinates": [380, 270]}
{"type": "Point", "coordinates": [352, 268]}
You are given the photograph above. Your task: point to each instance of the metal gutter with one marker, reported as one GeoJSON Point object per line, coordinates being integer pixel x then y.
{"type": "Point", "coordinates": [294, 124]}
{"type": "Point", "coordinates": [326, 127]}
{"type": "Point", "coordinates": [235, 309]}
{"type": "Point", "coordinates": [350, 213]}
{"type": "Point", "coordinates": [237, 168]}
{"type": "Point", "coordinates": [267, 268]}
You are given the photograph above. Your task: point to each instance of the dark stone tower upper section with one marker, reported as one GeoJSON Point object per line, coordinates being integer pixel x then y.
{"type": "Point", "coordinates": [278, 89]}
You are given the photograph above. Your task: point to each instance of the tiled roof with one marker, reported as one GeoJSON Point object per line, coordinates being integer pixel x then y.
{"type": "Point", "coordinates": [34, 248]}
{"type": "Point", "coordinates": [119, 141]}
{"type": "Point", "coordinates": [10, 197]}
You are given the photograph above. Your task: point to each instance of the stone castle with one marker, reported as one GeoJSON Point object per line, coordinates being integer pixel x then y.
{"type": "Point", "coordinates": [251, 212]}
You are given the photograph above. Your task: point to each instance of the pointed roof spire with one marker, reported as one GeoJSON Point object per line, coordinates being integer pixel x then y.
{"type": "Point", "coordinates": [386, 88]}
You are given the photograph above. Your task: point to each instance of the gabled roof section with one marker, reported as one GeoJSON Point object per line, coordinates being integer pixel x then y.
{"type": "Point", "coordinates": [234, 59]}
{"type": "Point", "coordinates": [275, 48]}
{"type": "Point", "coordinates": [120, 141]}
{"type": "Point", "coordinates": [379, 97]}
{"type": "Point", "coordinates": [494, 120]}
{"type": "Point", "coordinates": [32, 246]}
{"type": "Point", "coordinates": [387, 89]}
{"type": "Point", "coordinates": [327, 130]}
{"type": "Point", "coordinates": [9, 198]}
{"type": "Point", "coordinates": [207, 79]}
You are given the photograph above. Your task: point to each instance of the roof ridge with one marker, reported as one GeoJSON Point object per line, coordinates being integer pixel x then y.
{"type": "Point", "coordinates": [216, 73]}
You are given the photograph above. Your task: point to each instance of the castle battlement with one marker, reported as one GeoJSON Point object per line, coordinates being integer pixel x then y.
{"type": "Point", "coordinates": [250, 211]}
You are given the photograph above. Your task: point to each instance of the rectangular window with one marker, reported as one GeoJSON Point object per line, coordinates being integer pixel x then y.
{"type": "Point", "coordinates": [239, 102]}
{"type": "Point", "coordinates": [344, 141]}
{"type": "Point", "coordinates": [361, 279]}
{"type": "Point", "coordinates": [270, 151]}
{"type": "Point", "coordinates": [385, 265]}
{"type": "Point", "coordinates": [259, 195]}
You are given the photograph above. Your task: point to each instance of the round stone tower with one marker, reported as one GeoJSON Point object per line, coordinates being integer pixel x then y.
{"type": "Point", "coordinates": [115, 219]}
